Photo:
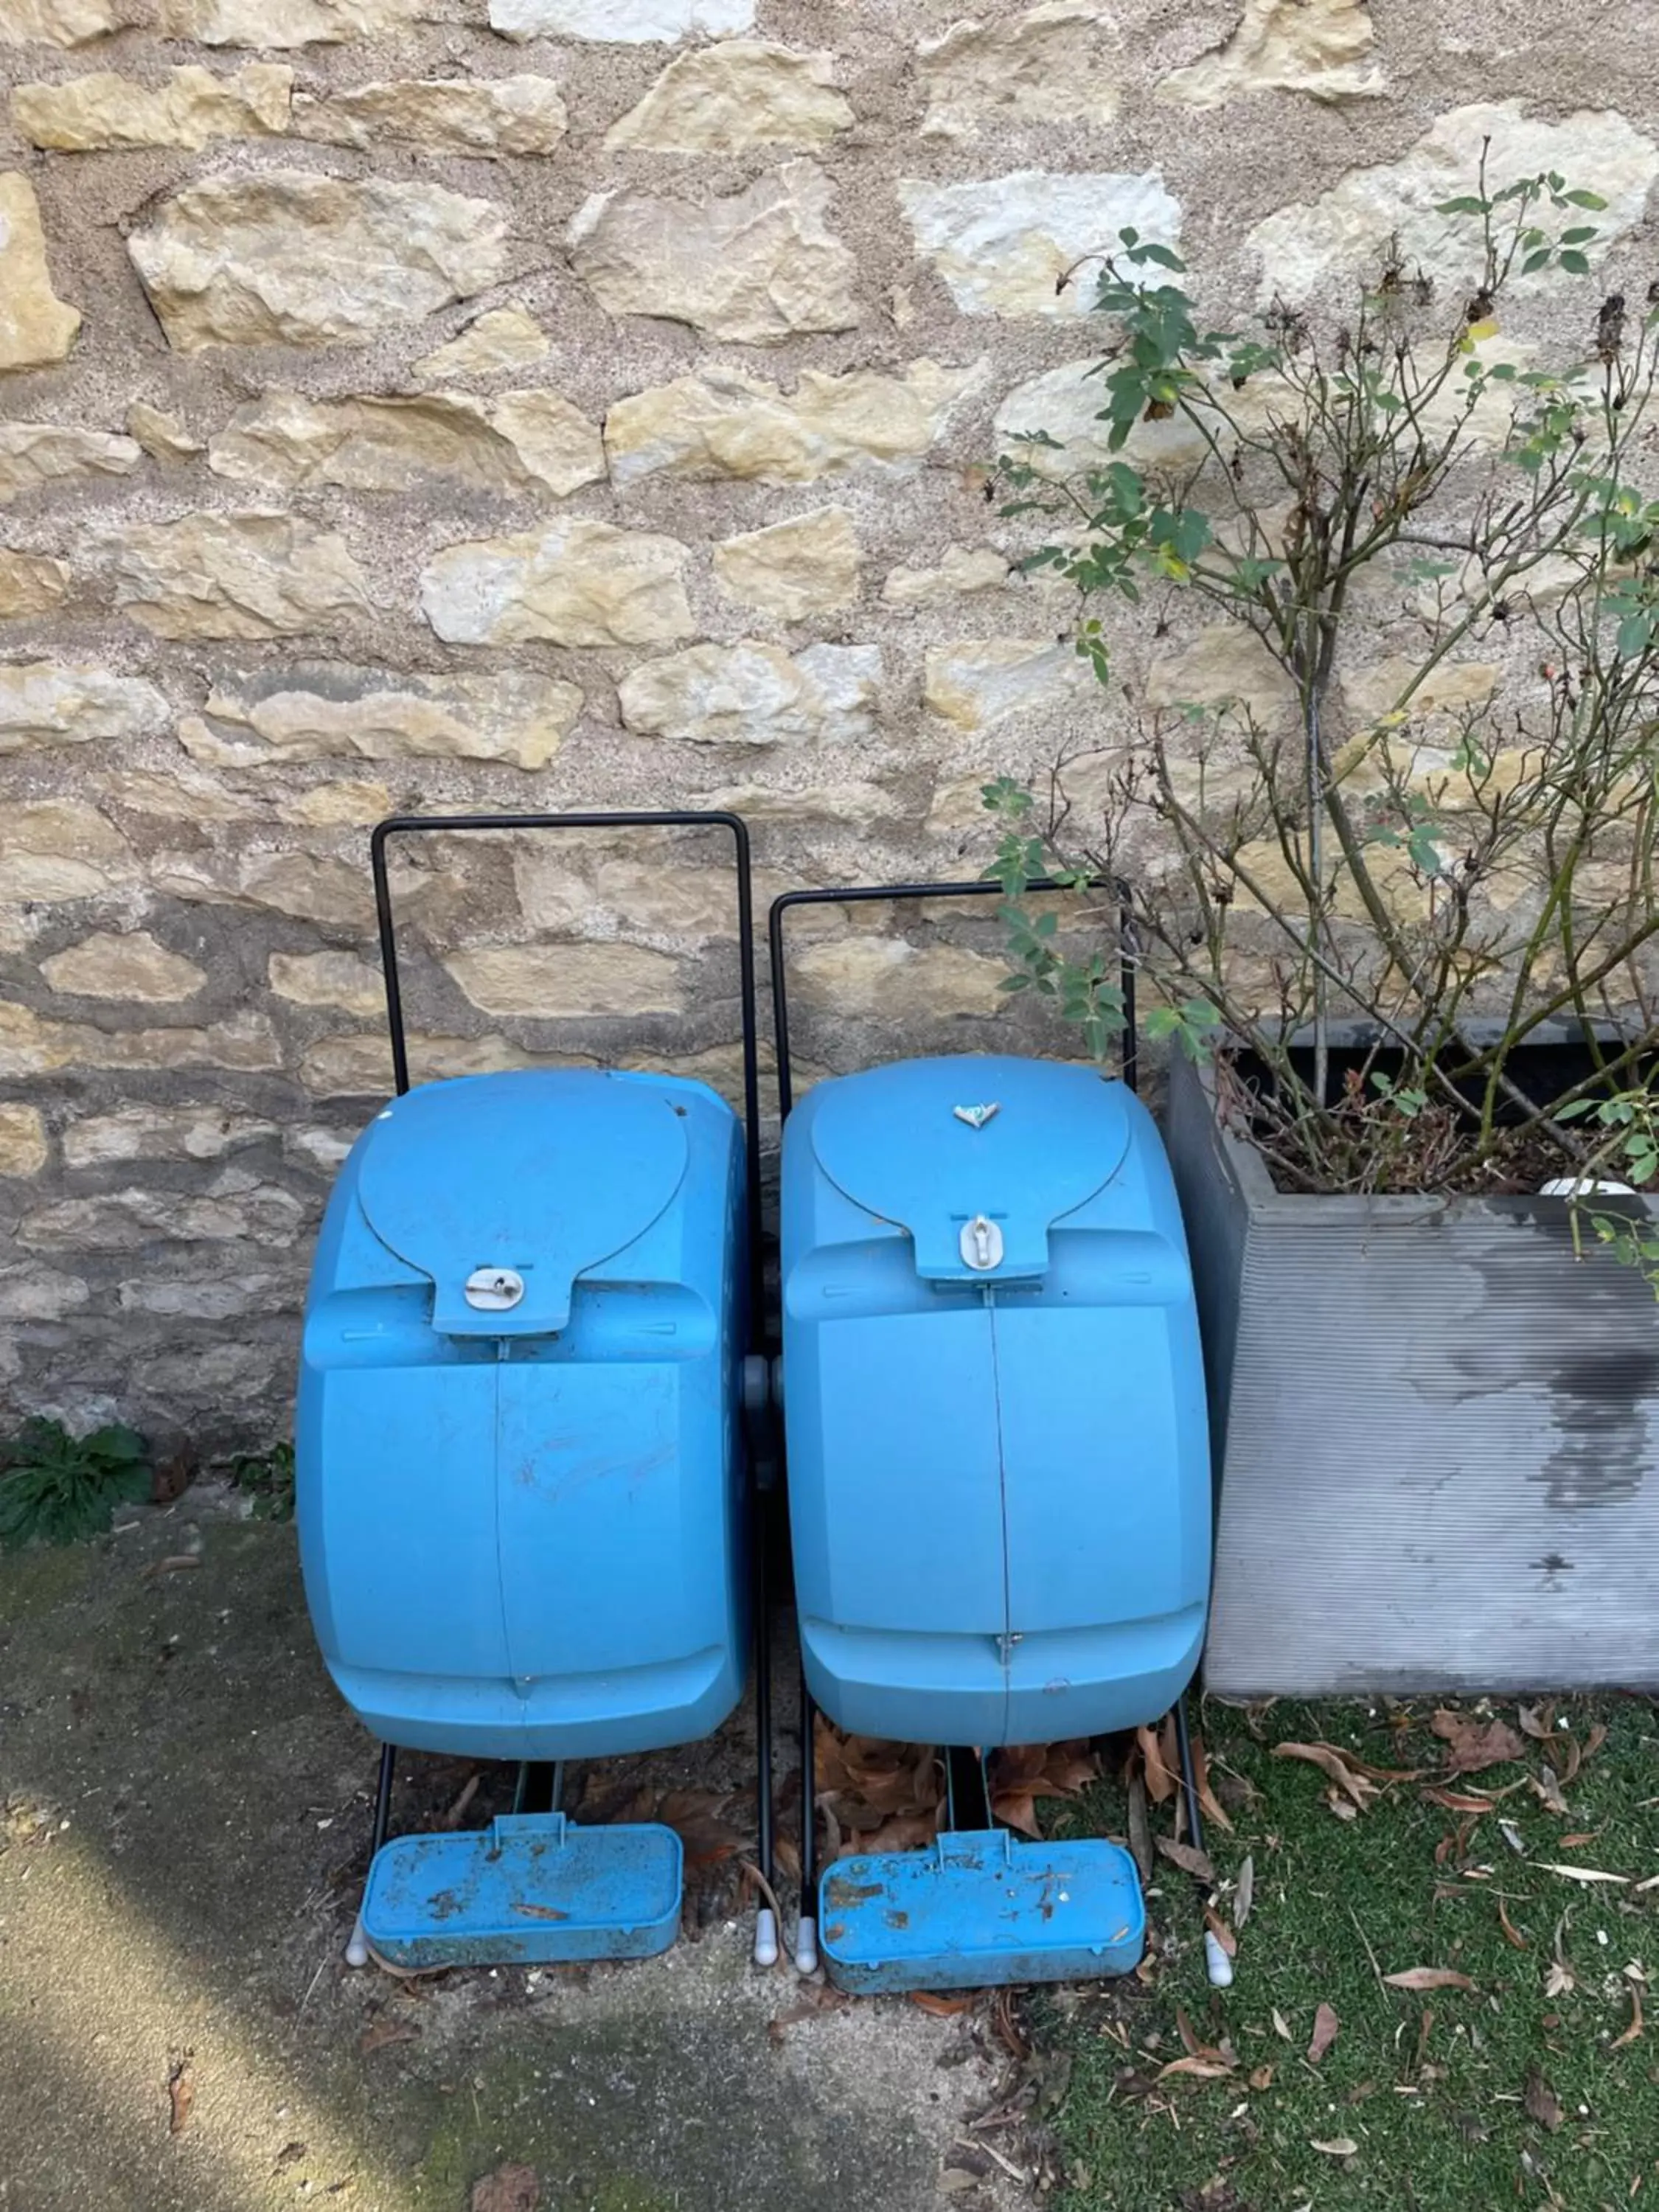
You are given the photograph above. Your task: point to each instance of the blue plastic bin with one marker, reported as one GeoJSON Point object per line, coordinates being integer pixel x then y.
{"type": "Point", "coordinates": [999, 1463]}
{"type": "Point", "coordinates": [521, 1513]}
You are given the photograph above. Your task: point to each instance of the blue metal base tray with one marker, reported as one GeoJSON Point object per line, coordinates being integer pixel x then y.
{"type": "Point", "coordinates": [531, 1889]}
{"type": "Point", "coordinates": [980, 1909]}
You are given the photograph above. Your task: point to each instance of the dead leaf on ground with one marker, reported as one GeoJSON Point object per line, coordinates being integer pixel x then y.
{"type": "Point", "coordinates": [1633, 2031]}
{"type": "Point", "coordinates": [458, 1812]}
{"type": "Point", "coordinates": [379, 2032]}
{"type": "Point", "coordinates": [1140, 1832]}
{"type": "Point", "coordinates": [1472, 1745]}
{"type": "Point", "coordinates": [695, 1816]}
{"type": "Point", "coordinates": [1547, 1789]}
{"type": "Point", "coordinates": [181, 2094]}
{"type": "Point", "coordinates": [1534, 1723]}
{"type": "Point", "coordinates": [1326, 2029]}
{"type": "Point", "coordinates": [1162, 1781]}
{"type": "Point", "coordinates": [1582, 1873]}
{"type": "Point", "coordinates": [1244, 1893]}
{"type": "Point", "coordinates": [171, 1477]}
{"type": "Point", "coordinates": [1429, 1978]}
{"type": "Point", "coordinates": [1460, 1801]}
{"type": "Point", "coordinates": [1218, 1927]}
{"type": "Point", "coordinates": [538, 1911]}
{"type": "Point", "coordinates": [1206, 1796]}
{"type": "Point", "coordinates": [1360, 1788]}
{"type": "Point", "coordinates": [1197, 2069]}
{"type": "Point", "coordinates": [1189, 1860]}
{"type": "Point", "coordinates": [509, 2189]}
{"type": "Point", "coordinates": [1541, 2103]}
{"type": "Point", "coordinates": [1262, 2078]}
{"type": "Point", "coordinates": [1281, 2026]}
{"type": "Point", "coordinates": [1338, 2146]}
{"type": "Point", "coordinates": [941, 2003]}
{"type": "Point", "coordinates": [1511, 1933]}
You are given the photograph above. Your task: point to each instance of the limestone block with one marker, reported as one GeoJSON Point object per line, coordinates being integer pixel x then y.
{"type": "Point", "coordinates": [44, 703]}
{"type": "Point", "coordinates": [1320, 46]}
{"type": "Point", "coordinates": [1223, 665]}
{"type": "Point", "coordinates": [339, 980]}
{"type": "Point", "coordinates": [23, 1148]}
{"type": "Point", "coordinates": [112, 966]}
{"type": "Point", "coordinates": [515, 442]}
{"type": "Point", "coordinates": [1053, 63]}
{"type": "Point", "coordinates": [487, 115]}
{"type": "Point", "coordinates": [1340, 235]}
{"type": "Point", "coordinates": [31, 1045]}
{"type": "Point", "coordinates": [235, 576]}
{"type": "Point", "coordinates": [979, 681]}
{"type": "Point", "coordinates": [286, 23]}
{"type": "Point", "coordinates": [307, 886]}
{"type": "Point", "coordinates": [884, 978]}
{"type": "Point", "coordinates": [163, 436]}
{"type": "Point", "coordinates": [576, 583]}
{"type": "Point", "coordinates": [122, 1220]}
{"type": "Point", "coordinates": [731, 98]}
{"type": "Point", "coordinates": [1002, 244]}
{"type": "Point", "coordinates": [856, 808]}
{"type": "Point", "coordinates": [40, 1294]}
{"type": "Point", "coordinates": [1369, 693]}
{"type": "Point", "coordinates": [56, 23]}
{"type": "Point", "coordinates": [191, 1298]}
{"type": "Point", "coordinates": [621, 22]}
{"type": "Point", "coordinates": [755, 695]}
{"type": "Point", "coordinates": [189, 108]}
{"type": "Point", "coordinates": [31, 584]}
{"type": "Point", "coordinates": [501, 338]}
{"type": "Point", "coordinates": [963, 570]}
{"type": "Point", "coordinates": [754, 268]}
{"type": "Point", "coordinates": [290, 257]}
{"type": "Point", "coordinates": [724, 423]}
{"type": "Point", "coordinates": [807, 566]}
{"type": "Point", "coordinates": [53, 849]}
{"type": "Point", "coordinates": [1066, 405]}
{"type": "Point", "coordinates": [360, 1066]}
{"type": "Point", "coordinates": [36, 326]}
{"type": "Point", "coordinates": [34, 454]}
{"type": "Point", "coordinates": [154, 1133]}
{"type": "Point", "coordinates": [346, 804]}
{"type": "Point", "coordinates": [564, 981]}
{"type": "Point", "coordinates": [627, 896]}
{"type": "Point", "coordinates": [324, 710]}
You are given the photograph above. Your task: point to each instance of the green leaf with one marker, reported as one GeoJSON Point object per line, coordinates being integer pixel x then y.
{"type": "Point", "coordinates": [1573, 262]}
{"type": "Point", "coordinates": [1537, 259]}
{"type": "Point", "coordinates": [1634, 633]}
{"type": "Point", "coordinates": [1583, 199]}
{"type": "Point", "coordinates": [1465, 204]}
{"type": "Point", "coordinates": [1579, 233]}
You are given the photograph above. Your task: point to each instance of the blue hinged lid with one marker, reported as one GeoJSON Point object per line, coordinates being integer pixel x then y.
{"type": "Point", "coordinates": [938, 1145]}
{"type": "Point", "coordinates": [504, 1188]}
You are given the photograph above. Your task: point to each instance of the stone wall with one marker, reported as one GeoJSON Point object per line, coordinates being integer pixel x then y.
{"type": "Point", "coordinates": [506, 404]}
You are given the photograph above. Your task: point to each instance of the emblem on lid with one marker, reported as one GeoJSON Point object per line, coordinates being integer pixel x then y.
{"type": "Point", "coordinates": [976, 1116]}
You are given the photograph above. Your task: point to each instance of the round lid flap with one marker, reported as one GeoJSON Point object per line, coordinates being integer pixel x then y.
{"type": "Point", "coordinates": [976, 1156]}
{"type": "Point", "coordinates": [533, 1176]}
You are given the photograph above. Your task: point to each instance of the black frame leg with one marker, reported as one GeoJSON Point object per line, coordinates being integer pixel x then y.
{"type": "Point", "coordinates": [807, 1926]}
{"type": "Point", "coordinates": [357, 1943]}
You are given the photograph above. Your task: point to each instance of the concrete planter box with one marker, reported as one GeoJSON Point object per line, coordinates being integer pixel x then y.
{"type": "Point", "coordinates": [1437, 1434]}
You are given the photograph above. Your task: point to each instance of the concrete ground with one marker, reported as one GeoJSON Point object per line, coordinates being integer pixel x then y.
{"type": "Point", "coordinates": [186, 1820]}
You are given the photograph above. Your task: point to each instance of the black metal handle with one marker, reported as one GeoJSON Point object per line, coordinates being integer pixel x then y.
{"type": "Point", "coordinates": [402, 825]}
{"type": "Point", "coordinates": [981, 887]}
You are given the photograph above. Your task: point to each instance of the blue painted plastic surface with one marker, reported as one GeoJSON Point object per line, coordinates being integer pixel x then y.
{"type": "Point", "coordinates": [532, 1889]}
{"type": "Point", "coordinates": [1000, 1482]}
{"type": "Point", "coordinates": [522, 1531]}
{"type": "Point", "coordinates": [978, 1910]}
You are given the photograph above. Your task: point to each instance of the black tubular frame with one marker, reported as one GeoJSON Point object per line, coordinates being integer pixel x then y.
{"type": "Point", "coordinates": [980, 887]}
{"type": "Point", "coordinates": [403, 825]}
{"type": "Point", "coordinates": [863, 894]}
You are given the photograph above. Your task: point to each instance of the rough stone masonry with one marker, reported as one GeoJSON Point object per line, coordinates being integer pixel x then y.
{"type": "Point", "coordinates": [508, 403]}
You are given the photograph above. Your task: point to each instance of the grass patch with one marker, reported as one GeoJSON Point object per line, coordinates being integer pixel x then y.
{"type": "Point", "coordinates": [1528, 2088]}
{"type": "Point", "coordinates": [58, 1489]}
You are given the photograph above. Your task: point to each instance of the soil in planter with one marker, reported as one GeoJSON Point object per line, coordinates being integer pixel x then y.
{"type": "Point", "coordinates": [1367, 1145]}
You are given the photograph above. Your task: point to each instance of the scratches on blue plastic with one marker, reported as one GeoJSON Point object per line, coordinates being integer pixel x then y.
{"type": "Point", "coordinates": [979, 1910]}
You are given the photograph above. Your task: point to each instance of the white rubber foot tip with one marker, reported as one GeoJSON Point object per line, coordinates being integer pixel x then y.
{"type": "Point", "coordinates": [357, 1947]}
{"type": "Point", "coordinates": [1215, 1958]}
{"type": "Point", "coordinates": [766, 1937]}
{"type": "Point", "coordinates": [806, 1946]}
